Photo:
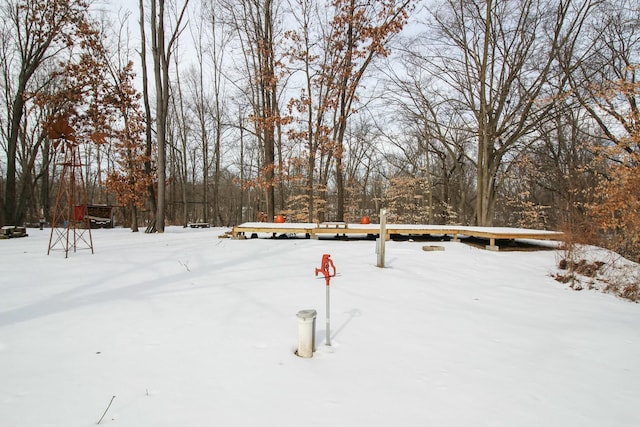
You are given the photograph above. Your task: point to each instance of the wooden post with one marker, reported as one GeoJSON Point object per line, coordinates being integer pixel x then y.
{"type": "Point", "coordinates": [382, 238]}
{"type": "Point", "coordinates": [492, 245]}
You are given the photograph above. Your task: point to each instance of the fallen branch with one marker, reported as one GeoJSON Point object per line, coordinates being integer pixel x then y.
{"type": "Point", "coordinates": [185, 265]}
{"type": "Point", "coordinates": [105, 411]}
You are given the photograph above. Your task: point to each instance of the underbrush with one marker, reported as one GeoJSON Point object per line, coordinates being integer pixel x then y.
{"type": "Point", "coordinates": [590, 267]}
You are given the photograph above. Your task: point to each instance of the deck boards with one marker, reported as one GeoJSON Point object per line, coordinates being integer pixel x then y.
{"type": "Point", "coordinates": [315, 230]}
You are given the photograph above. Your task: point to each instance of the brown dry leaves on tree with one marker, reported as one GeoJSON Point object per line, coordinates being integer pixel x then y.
{"type": "Point", "coordinates": [616, 209]}
{"type": "Point", "coordinates": [81, 94]}
{"type": "Point", "coordinates": [129, 181]}
{"type": "Point", "coordinates": [102, 106]}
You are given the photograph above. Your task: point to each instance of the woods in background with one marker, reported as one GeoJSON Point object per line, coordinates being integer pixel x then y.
{"type": "Point", "coordinates": [496, 112]}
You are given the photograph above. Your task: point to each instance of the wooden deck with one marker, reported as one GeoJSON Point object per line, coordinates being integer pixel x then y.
{"type": "Point", "coordinates": [316, 230]}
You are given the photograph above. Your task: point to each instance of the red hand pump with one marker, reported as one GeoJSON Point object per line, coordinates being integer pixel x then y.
{"type": "Point", "coordinates": [325, 268]}
{"type": "Point", "coordinates": [326, 263]}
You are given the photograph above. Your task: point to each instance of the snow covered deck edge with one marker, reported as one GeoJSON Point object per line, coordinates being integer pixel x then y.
{"type": "Point", "coordinates": [315, 229]}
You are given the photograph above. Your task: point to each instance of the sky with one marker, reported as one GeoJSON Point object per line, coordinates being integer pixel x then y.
{"type": "Point", "coordinates": [186, 328]}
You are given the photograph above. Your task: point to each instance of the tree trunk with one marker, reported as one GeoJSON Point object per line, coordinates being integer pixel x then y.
{"type": "Point", "coordinates": [134, 218]}
{"type": "Point", "coordinates": [153, 206]}
{"type": "Point", "coordinates": [310, 184]}
{"type": "Point", "coordinates": [11, 215]}
{"type": "Point", "coordinates": [45, 199]}
{"type": "Point", "coordinates": [161, 51]}
{"type": "Point", "coordinates": [484, 138]}
{"type": "Point", "coordinates": [339, 189]}
{"type": "Point", "coordinates": [159, 66]}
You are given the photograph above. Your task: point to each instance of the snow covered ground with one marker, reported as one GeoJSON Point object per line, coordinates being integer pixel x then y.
{"type": "Point", "coordinates": [186, 329]}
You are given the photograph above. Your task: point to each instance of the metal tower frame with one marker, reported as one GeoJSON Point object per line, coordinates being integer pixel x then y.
{"type": "Point", "coordinates": [70, 225]}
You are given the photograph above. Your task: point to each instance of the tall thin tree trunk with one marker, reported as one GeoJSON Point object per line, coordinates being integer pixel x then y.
{"type": "Point", "coordinates": [45, 172]}
{"type": "Point", "coordinates": [159, 66]}
{"type": "Point", "coordinates": [161, 60]}
{"type": "Point", "coordinates": [484, 139]}
{"type": "Point", "coordinates": [134, 218]}
{"type": "Point", "coordinates": [427, 161]}
{"type": "Point", "coordinates": [148, 130]}
{"type": "Point", "coordinates": [240, 124]}
{"type": "Point", "coordinates": [11, 215]}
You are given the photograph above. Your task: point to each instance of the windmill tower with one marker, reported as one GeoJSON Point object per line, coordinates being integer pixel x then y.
{"type": "Point", "coordinates": [70, 226]}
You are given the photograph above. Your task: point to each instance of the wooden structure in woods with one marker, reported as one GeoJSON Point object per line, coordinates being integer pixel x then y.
{"type": "Point", "coordinates": [9, 231]}
{"type": "Point", "coordinates": [331, 229]}
{"type": "Point", "coordinates": [100, 216]}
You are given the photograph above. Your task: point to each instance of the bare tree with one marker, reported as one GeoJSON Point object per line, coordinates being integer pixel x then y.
{"type": "Point", "coordinates": [210, 108]}
{"type": "Point", "coordinates": [359, 33]}
{"type": "Point", "coordinates": [433, 143]}
{"type": "Point", "coordinates": [255, 25]}
{"type": "Point", "coordinates": [611, 58]}
{"type": "Point", "coordinates": [497, 63]}
{"type": "Point", "coordinates": [163, 42]}
{"type": "Point", "coordinates": [200, 102]}
{"type": "Point", "coordinates": [308, 49]}
{"type": "Point", "coordinates": [148, 164]}
{"type": "Point", "coordinates": [181, 132]}
{"type": "Point", "coordinates": [334, 61]}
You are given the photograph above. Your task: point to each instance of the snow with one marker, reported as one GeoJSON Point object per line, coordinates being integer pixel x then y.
{"type": "Point", "coordinates": [187, 329]}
